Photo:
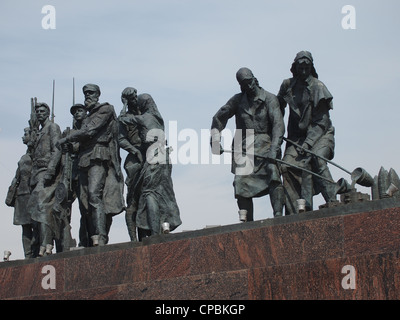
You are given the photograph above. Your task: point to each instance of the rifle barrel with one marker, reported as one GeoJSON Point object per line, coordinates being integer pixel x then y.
{"type": "Point", "coordinates": [73, 91]}
{"type": "Point", "coordinates": [52, 104]}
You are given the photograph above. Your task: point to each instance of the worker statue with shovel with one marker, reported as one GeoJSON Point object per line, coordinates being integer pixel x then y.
{"type": "Point", "coordinates": [310, 135]}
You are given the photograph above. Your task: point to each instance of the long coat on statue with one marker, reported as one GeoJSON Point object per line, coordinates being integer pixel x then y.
{"type": "Point", "coordinates": [46, 159]}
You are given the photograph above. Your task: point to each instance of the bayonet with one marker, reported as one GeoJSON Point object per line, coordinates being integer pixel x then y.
{"type": "Point", "coordinates": [52, 103]}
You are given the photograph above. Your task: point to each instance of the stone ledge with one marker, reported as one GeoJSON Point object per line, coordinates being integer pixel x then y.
{"type": "Point", "coordinates": [293, 257]}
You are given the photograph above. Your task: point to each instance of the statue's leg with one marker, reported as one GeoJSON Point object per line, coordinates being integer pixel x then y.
{"type": "Point", "coordinates": [130, 219]}
{"type": "Point", "coordinates": [96, 181]}
{"type": "Point", "coordinates": [27, 237]}
{"type": "Point", "coordinates": [292, 189]}
{"type": "Point", "coordinates": [46, 239]}
{"type": "Point", "coordinates": [307, 191]}
{"type": "Point", "coordinates": [328, 190]}
{"type": "Point", "coordinates": [277, 198]}
{"type": "Point", "coordinates": [153, 215]}
{"type": "Point", "coordinates": [35, 243]}
{"type": "Point", "coordinates": [86, 229]}
{"type": "Point", "coordinates": [246, 204]}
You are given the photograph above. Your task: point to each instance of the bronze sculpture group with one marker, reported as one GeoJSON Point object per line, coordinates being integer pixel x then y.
{"type": "Point", "coordinates": [84, 163]}
{"type": "Point", "coordinates": [309, 130]}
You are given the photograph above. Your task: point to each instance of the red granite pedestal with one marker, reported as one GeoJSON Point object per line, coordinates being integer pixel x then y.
{"type": "Point", "coordinates": [304, 256]}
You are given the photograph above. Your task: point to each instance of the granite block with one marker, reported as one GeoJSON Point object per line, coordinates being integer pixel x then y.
{"type": "Point", "coordinates": [313, 280]}
{"type": "Point", "coordinates": [376, 277]}
{"type": "Point", "coordinates": [372, 232]}
{"type": "Point", "coordinates": [101, 293]}
{"type": "Point", "coordinates": [297, 257]}
{"type": "Point", "coordinates": [214, 286]}
{"type": "Point", "coordinates": [31, 279]}
{"type": "Point", "coordinates": [232, 251]}
{"type": "Point", "coordinates": [105, 269]}
{"type": "Point", "coordinates": [169, 260]}
{"type": "Point", "coordinates": [307, 240]}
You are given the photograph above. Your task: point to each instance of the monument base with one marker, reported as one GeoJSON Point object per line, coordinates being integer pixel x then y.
{"type": "Point", "coordinates": [346, 252]}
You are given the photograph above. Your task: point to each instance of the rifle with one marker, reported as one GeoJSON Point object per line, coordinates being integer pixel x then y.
{"type": "Point", "coordinates": [33, 122]}
{"type": "Point", "coordinates": [33, 127]}
{"type": "Point", "coordinates": [73, 91]}
{"type": "Point", "coordinates": [52, 103]}
{"type": "Point", "coordinates": [73, 103]}
{"type": "Point", "coordinates": [64, 203]}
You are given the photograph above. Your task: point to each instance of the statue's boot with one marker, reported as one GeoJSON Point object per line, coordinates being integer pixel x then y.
{"type": "Point", "coordinates": [277, 198]}
{"type": "Point", "coordinates": [27, 246]}
{"type": "Point", "coordinates": [130, 218]}
{"type": "Point", "coordinates": [99, 223]}
{"type": "Point", "coordinates": [328, 190]}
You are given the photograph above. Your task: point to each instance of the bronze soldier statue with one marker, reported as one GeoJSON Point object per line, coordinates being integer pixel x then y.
{"type": "Point", "coordinates": [18, 197]}
{"type": "Point", "coordinates": [79, 114]}
{"type": "Point", "coordinates": [45, 177]}
{"type": "Point", "coordinates": [69, 189]}
{"type": "Point", "coordinates": [310, 128]}
{"type": "Point", "coordinates": [260, 125]}
{"type": "Point", "coordinates": [101, 180]}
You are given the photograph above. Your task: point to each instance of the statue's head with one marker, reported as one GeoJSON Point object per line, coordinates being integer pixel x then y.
{"type": "Point", "coordinates": [129, 96]}
{"type": "Point", "coordinates": [26, 138]}
{"type": "Point", "coordinates": [145, 103]}
{"type": "Point", "coordinates": [42, 111]}
{"type": "Point", "coordinates": [248, 83]}
{"type": "Point", "coordinates": [303, 65]}
{"type": "Point", "coordinates": [78, 111]}
{"type": "Point", "coordinates": [92, 94]}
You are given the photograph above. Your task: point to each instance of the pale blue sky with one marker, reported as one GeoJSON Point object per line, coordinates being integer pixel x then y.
{"type": "Point", "coordinates": [185, 54]}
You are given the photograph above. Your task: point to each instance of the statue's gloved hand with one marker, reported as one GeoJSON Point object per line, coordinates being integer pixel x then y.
{"type": "Point", "coordinates": [272, 154]}
{"type": "Point", "coordinates": [67, 147]}
{"type": "Point", "coordinates": [47, 179]}
{"type": "Point", "coordinates": [304, 147]}
{"type": "Point", "coordinates": [216, 147]}
{"type": "Point", "coordinates": [61, 142]}
{"type": "Point", "coordinates": [138, 154]}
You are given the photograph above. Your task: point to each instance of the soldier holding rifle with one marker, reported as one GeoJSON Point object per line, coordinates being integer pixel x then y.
{"type": "Point", "coordinates": [101, 180]}
{"type": "Point", "coordinates": [18, 197]}
{"type": "Point", "coordinates": [45, 177]}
